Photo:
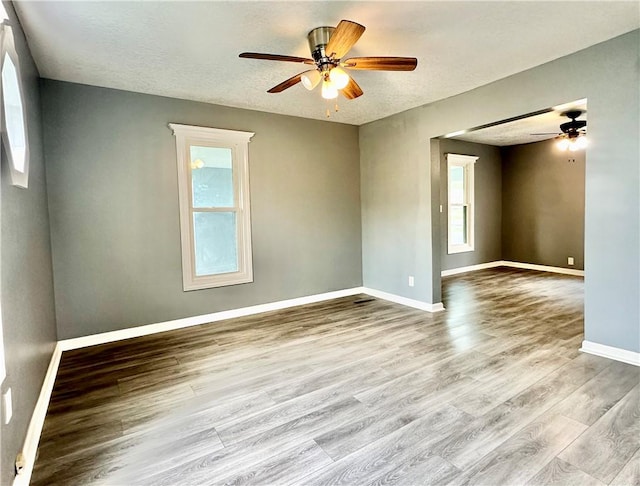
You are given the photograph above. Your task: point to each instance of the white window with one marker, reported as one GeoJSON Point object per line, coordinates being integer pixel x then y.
{"type": "Point", "coordinates": [14, 129]}
{"type": "Point", "coordinates": [215, 224]}
{"type": "Point", "coordinates": [3, 369]}
{"type": "Point", "coordinates": [460, 202]}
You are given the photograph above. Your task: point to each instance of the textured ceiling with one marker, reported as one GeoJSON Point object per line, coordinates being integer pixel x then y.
{"type": "Point", "coordinates": [525, 130]}
{"type": "Point", "coordinates": [190, 50]}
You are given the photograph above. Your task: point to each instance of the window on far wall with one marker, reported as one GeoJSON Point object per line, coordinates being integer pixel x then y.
{"type": "Point", "coordinates": [213, 189]}
{"type": "Point", "coordinates": [460, 203]}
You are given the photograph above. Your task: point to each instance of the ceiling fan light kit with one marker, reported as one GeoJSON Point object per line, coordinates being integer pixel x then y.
{"type": "Point", "coordinates": [572, 144]}
{"type": "Point", "coordinates": [328, 46]}
{"type": "Point", "coordinates": [574, 135]}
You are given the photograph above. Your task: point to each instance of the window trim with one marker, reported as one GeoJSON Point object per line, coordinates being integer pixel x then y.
{"type": "Point", "coordinates": [3, 365]}
{"type": "Point", "coordinates": [467, 162]}
{"type": "Point", "coordinates": [18, 178]}
{"type": "Point", "coordinates": [238, 142]}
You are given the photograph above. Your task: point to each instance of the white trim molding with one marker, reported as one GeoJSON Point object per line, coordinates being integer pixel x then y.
{"type": "Point", "coordinates": [132, 332]}
{"type": "Point", "coordinates": [544, 268]}
{"type": "Point", "coordinates": [618, 354]}
{"type": "Point", "coordinates": [506, 263]}
{"type": "Point", "coordinates": [466, 163]}
{"type": "Point", "coordinates": [470, 268]}
{"type": "Point", "coordinates": [34, 430]}
{"type": "Point", "coordinates": [237, 145]}
{"type": "Point", "coordinates": [416, 304]}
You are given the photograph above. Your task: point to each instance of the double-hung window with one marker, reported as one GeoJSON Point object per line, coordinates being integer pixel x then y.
{"type": "Point", "coordinates": [215, 220]}
{"type": "Point", "coordinates": [460, 202]}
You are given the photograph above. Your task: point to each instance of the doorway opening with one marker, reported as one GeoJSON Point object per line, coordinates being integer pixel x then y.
{"type": "Point", "coordinates": [523, 200]}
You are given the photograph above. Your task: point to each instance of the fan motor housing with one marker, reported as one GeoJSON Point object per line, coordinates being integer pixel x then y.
{"type": "Point", "coordinates": [319, 37]}
{"type": "Point", "coordinates": [572, 127]}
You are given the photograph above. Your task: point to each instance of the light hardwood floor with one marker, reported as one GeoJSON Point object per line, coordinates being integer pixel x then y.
{"type": "Point", "coordinates": [355, 391]}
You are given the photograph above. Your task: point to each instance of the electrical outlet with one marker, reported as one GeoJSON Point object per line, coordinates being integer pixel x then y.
{"type": "Point", "coordinates": [570, 261]}
{"type": "Point", "coordinates": [410, 280]}
{"type": "Point", "coordinates": [8, 410]}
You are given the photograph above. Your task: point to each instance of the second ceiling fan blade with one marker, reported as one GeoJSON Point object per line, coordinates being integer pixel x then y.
{"type": "Point", "coordinates": [343, 38]}
{"type": "Point", "coordinates": [276, 57]}
{"type": "Point", "coordinates": [286, 84]}
{"type": "Point", "coordinates": [351, 90]}
{"type": "Point", "coordinates": [381, 63]}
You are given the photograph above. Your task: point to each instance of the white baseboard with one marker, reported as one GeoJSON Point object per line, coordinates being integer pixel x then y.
{"type": "Point", "coordinates": [618, 354]}
{"type": "Point", "coordinates": [132, 332]}
{"type": "Point", "coordinates": [470, 268]}
{"type": "Point", "coordinates": [416, 304]}
{"type": "Point", "coordinates": [505, 263]}
{"type": "Point", "coordinates": [544, 268]}
{"type": "Point", "coordinates": [34, 430]}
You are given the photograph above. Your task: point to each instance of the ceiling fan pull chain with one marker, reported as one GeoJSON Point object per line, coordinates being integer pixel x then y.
{"type": "Point", "coordinates": [337, 109]}
{"type": "Point", "coordinates": [328, 104]}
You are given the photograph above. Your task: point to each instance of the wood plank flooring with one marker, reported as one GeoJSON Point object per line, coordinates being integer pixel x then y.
{"type": "Point", "coordinates": [355, 391]}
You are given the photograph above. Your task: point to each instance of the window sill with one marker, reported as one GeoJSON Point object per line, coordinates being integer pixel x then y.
{"type": "Point", "coordinates": [459, 249]}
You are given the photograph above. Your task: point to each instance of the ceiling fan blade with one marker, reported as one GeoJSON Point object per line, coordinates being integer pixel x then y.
{"type": "Point", "coordinates": [351, 90]}
{"type": "Point", "coordinates": [343, 38]}
{"type": "Point", "coordinates": [382, 63]}
{"type": "Point", "coordinates": [276, 57]}
{"type": "Point", "coordinates": [286, 84]}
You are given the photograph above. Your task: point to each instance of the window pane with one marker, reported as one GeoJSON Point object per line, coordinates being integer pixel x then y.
{"type": "Point", "coordinates": [215, 243]}
{"type": "Point", "coordinates": [13, 114]}
{"type": "Point", "coordinates": [458, 225]}
{"type": "Point", "coordinates": [212, 177]}
{"type": "Point", "coordinates": [456, 185]}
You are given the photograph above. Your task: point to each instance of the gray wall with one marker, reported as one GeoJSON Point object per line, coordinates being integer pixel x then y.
{"type": "Point", "coordinates": [399, 224]}
{"type": "Point", "coordinates": [28, 316]}
{"type": "Point", "coordinates": [487, 174]}
{"type": "Point", "coordinates": [543, 204]}
{"type": "Point", "coordinates": [113, 200]}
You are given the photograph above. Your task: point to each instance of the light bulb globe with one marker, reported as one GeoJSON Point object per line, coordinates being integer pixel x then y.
{"type": "Point", "coordinates": [563, 144]}
{"type": "Point", "coordinates": [310, 79]}
{"type": "Point", "coordinates": [329, 91]}
{"type": "Point", "coordinates": [339, 77]}
{"type": "Point", "coordinates": [582, 142]}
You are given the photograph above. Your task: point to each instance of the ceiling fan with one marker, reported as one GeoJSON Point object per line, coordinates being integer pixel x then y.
{"type": "Point", "coordinates": [573, 133]}
{"type": "Point", "coordinates": [328, 46]}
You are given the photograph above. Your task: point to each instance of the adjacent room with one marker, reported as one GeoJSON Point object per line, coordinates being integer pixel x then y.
{"type": "Point", "coordinates": [518, 191]}
{"type": "Point", "coordinates": [317, 242]}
